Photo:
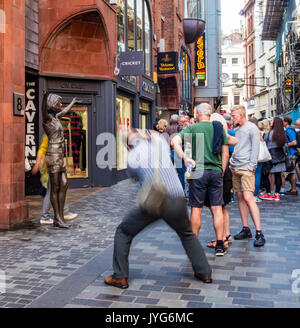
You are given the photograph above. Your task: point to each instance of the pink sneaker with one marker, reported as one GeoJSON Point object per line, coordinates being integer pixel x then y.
{"type": "Point", "coordinates": [276, 197]}
{"type": "Point", "coordinates": [266, 196]}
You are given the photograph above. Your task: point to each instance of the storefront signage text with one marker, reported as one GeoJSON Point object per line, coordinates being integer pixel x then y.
{"type": "Point", "coordinates": [148, 87]}
{"type": "Point", "coordinates": [31, 129]}
{"type": "Point", "coordinates": [131, 63]}
{"type": "Point", "coordinates": [167, 62]}
{"type": "Point", "coordinates": [130, 79]}
{"type": "Point", "coordinates": [200, 59]}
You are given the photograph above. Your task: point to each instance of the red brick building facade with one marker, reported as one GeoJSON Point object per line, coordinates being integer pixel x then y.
{"type": "Point", "coordinates": [13, 207]}
{"type": "Point", "coordinates": [71, 48]}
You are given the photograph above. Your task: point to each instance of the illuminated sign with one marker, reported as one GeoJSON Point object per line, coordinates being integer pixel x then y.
{"type": "Point", "coordinates": [200, 58]}
{"type": "Point", "coordinates": [288, 85]}
{"type": "Point", "coordinates": [167, 62]}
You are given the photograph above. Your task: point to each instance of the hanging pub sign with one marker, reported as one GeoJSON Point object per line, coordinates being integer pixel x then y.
{"type": "Point", "coordinates": [200, 59]}
{"type": "Point", "coordinates": [167, 62]}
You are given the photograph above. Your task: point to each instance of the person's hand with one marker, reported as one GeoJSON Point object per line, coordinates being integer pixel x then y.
{"type": "Point", "coordinates": [76, 100]}
{"type": "Point", "coordinates": [189, 161]}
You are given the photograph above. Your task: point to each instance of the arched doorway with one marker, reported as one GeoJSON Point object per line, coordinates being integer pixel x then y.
{"type": "Point", "coordinates": [78, 48]}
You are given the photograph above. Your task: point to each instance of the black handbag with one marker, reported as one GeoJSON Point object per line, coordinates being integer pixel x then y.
{"type": "Point", "coordinates": [290, 163]}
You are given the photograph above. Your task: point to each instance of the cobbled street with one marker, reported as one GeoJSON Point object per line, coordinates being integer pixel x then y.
{"type": "Point", "coordinates": [43, 266]}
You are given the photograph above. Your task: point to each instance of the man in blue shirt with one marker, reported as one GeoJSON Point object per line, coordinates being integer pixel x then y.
{"type": "Point", "coordinates": [292, 150]}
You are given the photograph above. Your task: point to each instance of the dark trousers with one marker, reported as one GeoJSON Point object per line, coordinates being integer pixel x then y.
{"type": "Point", "coordinates": [176, 216]}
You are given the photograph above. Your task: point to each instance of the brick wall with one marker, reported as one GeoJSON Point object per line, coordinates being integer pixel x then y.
{"type": "Point", "coordinates": [32, 34]}
{"type": "Point", "coordinates": [13, 208]}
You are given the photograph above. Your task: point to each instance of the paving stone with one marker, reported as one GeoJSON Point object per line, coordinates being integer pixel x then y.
{"type": "Point", "coordinates": [251, 303]}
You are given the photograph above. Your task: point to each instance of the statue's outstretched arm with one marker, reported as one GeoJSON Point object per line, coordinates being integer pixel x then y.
{"type": "Point", "coordinates": [67, 109]}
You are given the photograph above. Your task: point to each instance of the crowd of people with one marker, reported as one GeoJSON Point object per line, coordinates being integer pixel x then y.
{"type": "Point", "coordinates": [224, 153]}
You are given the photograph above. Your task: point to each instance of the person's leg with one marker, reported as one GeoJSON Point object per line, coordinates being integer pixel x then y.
{"type": "Point", "coordinates": [226, 224]}
{"type": "Point", "coordinates": [272, 182]}
{"type": "Point", "coordinates": [253, 208]}
{"type": "Point", "coordinates": [218, 221]}
{"type": "Point", "coordinates": [196, 219]}
{"type": "Point", "coordinates": [278, 182]}
{"type": "Point", "coordinates": [176, 217]}
{"type": "Point", "coordinates": [243, 208]}
{"type": "Point", "coordinates": [132, 224]}
{"type": "Point", "coordinates": [293, 181]}
{"type": "Point", "coordinates": [258, 178]}
{"type": "Point", "coordinates": [47, 202]}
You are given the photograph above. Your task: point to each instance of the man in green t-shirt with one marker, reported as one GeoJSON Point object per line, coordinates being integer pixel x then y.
{"type": "Point", "coordinates": [206, 182]}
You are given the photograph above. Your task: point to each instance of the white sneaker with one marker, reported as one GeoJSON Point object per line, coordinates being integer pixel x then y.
{"type": "Point", "coordinates": [257, 199]}
{"type": "Point", "coordinates": [70, 216]}
{"type": "Point", "coordinates": [46, 221]}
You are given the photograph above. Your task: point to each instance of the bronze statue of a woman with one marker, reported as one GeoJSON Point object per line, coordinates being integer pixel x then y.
{"type": "Point", "coordinates": [52, 111]}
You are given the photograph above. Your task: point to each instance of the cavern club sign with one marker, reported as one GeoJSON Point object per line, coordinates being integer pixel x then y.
{"type": "Point", "coordinates": [200, 59]}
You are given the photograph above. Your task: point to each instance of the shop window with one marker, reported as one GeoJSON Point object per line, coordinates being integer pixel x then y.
{"type": "Point", "coordinates": [123, 122]}
{"type": "Point", "coordinates": [75, 125]}
{"type": "Point", "coordinates": [143, 121]}
{"type": "Point", "coordinates": [144, 114]}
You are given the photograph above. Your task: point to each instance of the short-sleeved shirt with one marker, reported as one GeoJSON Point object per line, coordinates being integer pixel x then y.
{"type": "Point", "coordinates": [291, 136]}
{"type": "Point", "coordinates": [231, 133]}
{"type": "Point", "coordinates": [205, 131]}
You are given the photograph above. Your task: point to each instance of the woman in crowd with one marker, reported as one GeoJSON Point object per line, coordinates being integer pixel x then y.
{"type": "Point", "coordinates": [162, 125]}
{"type": "Point", "coordinates": [275, 140]}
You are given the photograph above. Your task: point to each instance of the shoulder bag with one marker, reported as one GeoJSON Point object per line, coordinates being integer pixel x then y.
{"type": "Point", "coordinates": [153, 195]}
{"type": "Point", "coordinates": [290, 161]}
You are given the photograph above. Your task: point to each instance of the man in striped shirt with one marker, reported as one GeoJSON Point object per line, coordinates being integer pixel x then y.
{"type": "Point", "coordinates": [141, 165]}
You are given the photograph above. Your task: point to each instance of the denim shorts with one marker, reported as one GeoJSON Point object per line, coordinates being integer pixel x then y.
{"type": "Point", "coordinates": [206, 190]}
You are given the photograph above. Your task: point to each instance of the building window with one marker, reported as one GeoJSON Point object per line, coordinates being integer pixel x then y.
{"type": "Point", "coordinates": [131, 25]}
{"type": "Point", "coordinates": [236, 99]}
{"type": "Point", "coordinates": [136, 33]}
{"type": "Point", "coordinates": [224, 61]}
{"type": "Point", "coordinates": [121, 26]}
{"type": "Point", "coordinates": [235, 77]}
{"type": "Point", "coordinates": [186, 78]}
{"type": "Point", "coordinates": [75, 125]}
{"type": "Point", "coordinates": [139, 25]}
{"type": "Point", "coordinates": [190, 9]}
{"type": "Point", "coordinates": [123, 122]}
{"type": "Point", "coordinates": [235, 60]}
{"type": "Point", "coordinates": [144, 115]}
{"type": "Point", "coordinates": [225, 99]}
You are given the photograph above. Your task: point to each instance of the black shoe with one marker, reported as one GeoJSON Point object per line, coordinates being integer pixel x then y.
{"type": "Point", "coordinates": [220, 250]}
{"type": "Point", "coordinates": [259, 240]}
{"type": "Point", "coordinates": [243, 234]}
{"type": "Point", "coordinates": [205, 279]}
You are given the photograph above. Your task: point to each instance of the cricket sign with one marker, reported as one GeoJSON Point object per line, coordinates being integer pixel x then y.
{"type": "Point", "coordinates": [200, 58]}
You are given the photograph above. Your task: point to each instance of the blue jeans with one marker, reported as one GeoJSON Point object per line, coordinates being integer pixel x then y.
{"type": "Point", "coordinates": [180, 170]}
{"type": "Point", "coordinates": [257, 178]}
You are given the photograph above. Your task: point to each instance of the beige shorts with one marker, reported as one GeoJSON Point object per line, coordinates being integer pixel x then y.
{"type": "Point", "coordinates": [243, 180]}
